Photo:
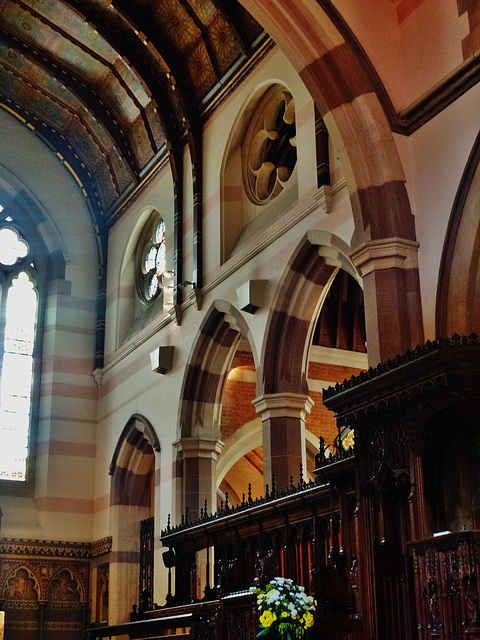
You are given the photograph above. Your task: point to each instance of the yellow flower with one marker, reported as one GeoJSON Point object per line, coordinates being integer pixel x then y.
{"type": "Point", "coordinates": [285, 614]}
{"type": "Point", "coordinates": [267, 618]}
{"type": "Point", "coordinates": [308, 620]}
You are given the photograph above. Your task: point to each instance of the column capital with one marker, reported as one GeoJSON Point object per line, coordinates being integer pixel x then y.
{"type": "Point", "coordinates": [283, 405]}
{"type": "Point", "coordinates": [199, 447]}
{"type": "Point", "coordinates": [386, 253]}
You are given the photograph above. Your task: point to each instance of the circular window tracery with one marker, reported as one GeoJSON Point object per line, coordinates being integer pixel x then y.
{"type": "Point", "coordinates": [269, 152]}
{"type": "Point", "coordinates": [151, 261]}
{"type": "Point", "coordinates": [13, 248]}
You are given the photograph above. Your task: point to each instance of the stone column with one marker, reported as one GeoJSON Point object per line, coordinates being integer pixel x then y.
{"type": "Point", "coordinates": [393, 312]}
{"type": "Point", "coordinates": [198, 457]}
{"type": "Point", "coordinates": [283, 427]}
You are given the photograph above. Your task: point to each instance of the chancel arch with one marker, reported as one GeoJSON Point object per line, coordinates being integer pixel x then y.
{"type": "Point", "coordinates": [458, 294]}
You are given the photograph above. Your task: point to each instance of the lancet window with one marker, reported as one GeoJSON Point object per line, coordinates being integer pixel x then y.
{"type": "Point", "coordinates": [18, 320]}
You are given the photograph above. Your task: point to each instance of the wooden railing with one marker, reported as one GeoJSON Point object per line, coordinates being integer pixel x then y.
{"type": "Point", "coordinates": [305, 532]}
{"type": "Point", "coordinates": [172, 622]}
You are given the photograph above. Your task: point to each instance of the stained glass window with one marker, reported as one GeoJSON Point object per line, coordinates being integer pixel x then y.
{"type": "Point", "coordinates": [152, 260]}
{"type": "Point", "coordinates": [18, 315]}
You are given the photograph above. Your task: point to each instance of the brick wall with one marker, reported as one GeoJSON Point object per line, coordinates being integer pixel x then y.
{"type": "Point", "coordinates": [240, 390]}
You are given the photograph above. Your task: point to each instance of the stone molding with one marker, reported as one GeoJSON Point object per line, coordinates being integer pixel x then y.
{"type": "Point", "coordinates": [386, 253]}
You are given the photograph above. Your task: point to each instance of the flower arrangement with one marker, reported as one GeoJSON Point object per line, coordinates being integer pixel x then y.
{"type": "Point", "coordinates": [286, 610]}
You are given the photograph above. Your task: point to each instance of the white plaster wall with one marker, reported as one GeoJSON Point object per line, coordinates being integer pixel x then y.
{"type": "Point", "coordinates": [375, 26]}
{"type": "Point", "coordinates": [431, 45]}
{"type": "Point", "coordinates": [434, 158]}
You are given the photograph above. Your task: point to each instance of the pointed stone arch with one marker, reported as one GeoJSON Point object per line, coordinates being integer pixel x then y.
{"type": "Point", "coordinates": [301, 292]}
{"type": "Point", "coordinates": [199, 444]}
{"type": "Point", "coordinates": [354, 105]}
{"type": "Point", "coordinates": [283, 399]}
{"type": "Point", "coordinates": [207, 368]}
{"type": "Point", "coordinates": [132, 461]}
{"type": "Point", "coordinates": [132, 492]}
{"type": "Point", "coordinates": [349, 96]}
{"type": "Point", "coordinates": [458, 292]}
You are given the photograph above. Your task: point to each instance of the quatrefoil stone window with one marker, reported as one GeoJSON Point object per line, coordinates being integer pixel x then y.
{"type": "Point", "coordinates": [12, 248]}
{"type": "Point", "coordinates": [269, 152]}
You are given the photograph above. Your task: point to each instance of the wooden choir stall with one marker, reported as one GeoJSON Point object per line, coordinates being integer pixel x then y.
{"type": "Point", "coordinates": [385, 537]}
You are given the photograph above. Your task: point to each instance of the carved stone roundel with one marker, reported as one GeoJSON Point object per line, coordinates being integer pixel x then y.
{"type": "Point", "coordinates": [269, 152]}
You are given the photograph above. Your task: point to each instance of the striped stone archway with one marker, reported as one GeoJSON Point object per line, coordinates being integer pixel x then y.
{"type": "Point", "coordinates": [131, 500]}
{"type": "Point", "coordinates": [283, 400]}
{"type": "Point", "coordinates": [199, 444]}
{"type": "Point", "coordinates": [353, 104]}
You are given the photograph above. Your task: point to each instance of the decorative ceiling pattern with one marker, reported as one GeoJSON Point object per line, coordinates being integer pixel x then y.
{"type": "Point", "coordinates": [114, 85]}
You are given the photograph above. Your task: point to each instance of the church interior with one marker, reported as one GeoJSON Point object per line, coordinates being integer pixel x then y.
{"type": "Point", "coordinates": [239, 321]}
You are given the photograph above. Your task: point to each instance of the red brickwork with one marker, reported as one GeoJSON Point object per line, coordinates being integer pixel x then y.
{"type": "Point", "coordinates": [321, 422]}
{"type": "Point", "coordinates": [331, 372]}
{"type": "Point", "coordinates": [237, 407]}
{"type": "Point", "coordinates": [237, 397]}
{"type": "Point", "coordinates": [243, 359]}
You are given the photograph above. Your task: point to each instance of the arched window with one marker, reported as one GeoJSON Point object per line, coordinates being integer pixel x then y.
{"type": "Point", "coordinates": [18, 319]}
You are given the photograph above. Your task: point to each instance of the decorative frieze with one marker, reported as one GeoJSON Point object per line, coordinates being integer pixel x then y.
{"type": "Point", "coordinates": [54, 548]}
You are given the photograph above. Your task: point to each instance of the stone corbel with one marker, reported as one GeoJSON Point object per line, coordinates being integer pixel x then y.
{"type": "Point", "coordinates": [98, 375]}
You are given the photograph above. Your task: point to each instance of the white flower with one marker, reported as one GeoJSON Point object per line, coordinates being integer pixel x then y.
{"type": "Point", "coordinates": [273, 596]}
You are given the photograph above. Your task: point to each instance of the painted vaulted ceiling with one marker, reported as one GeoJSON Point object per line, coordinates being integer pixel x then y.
{"type": "Point", "coordinates": [116, 86]}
